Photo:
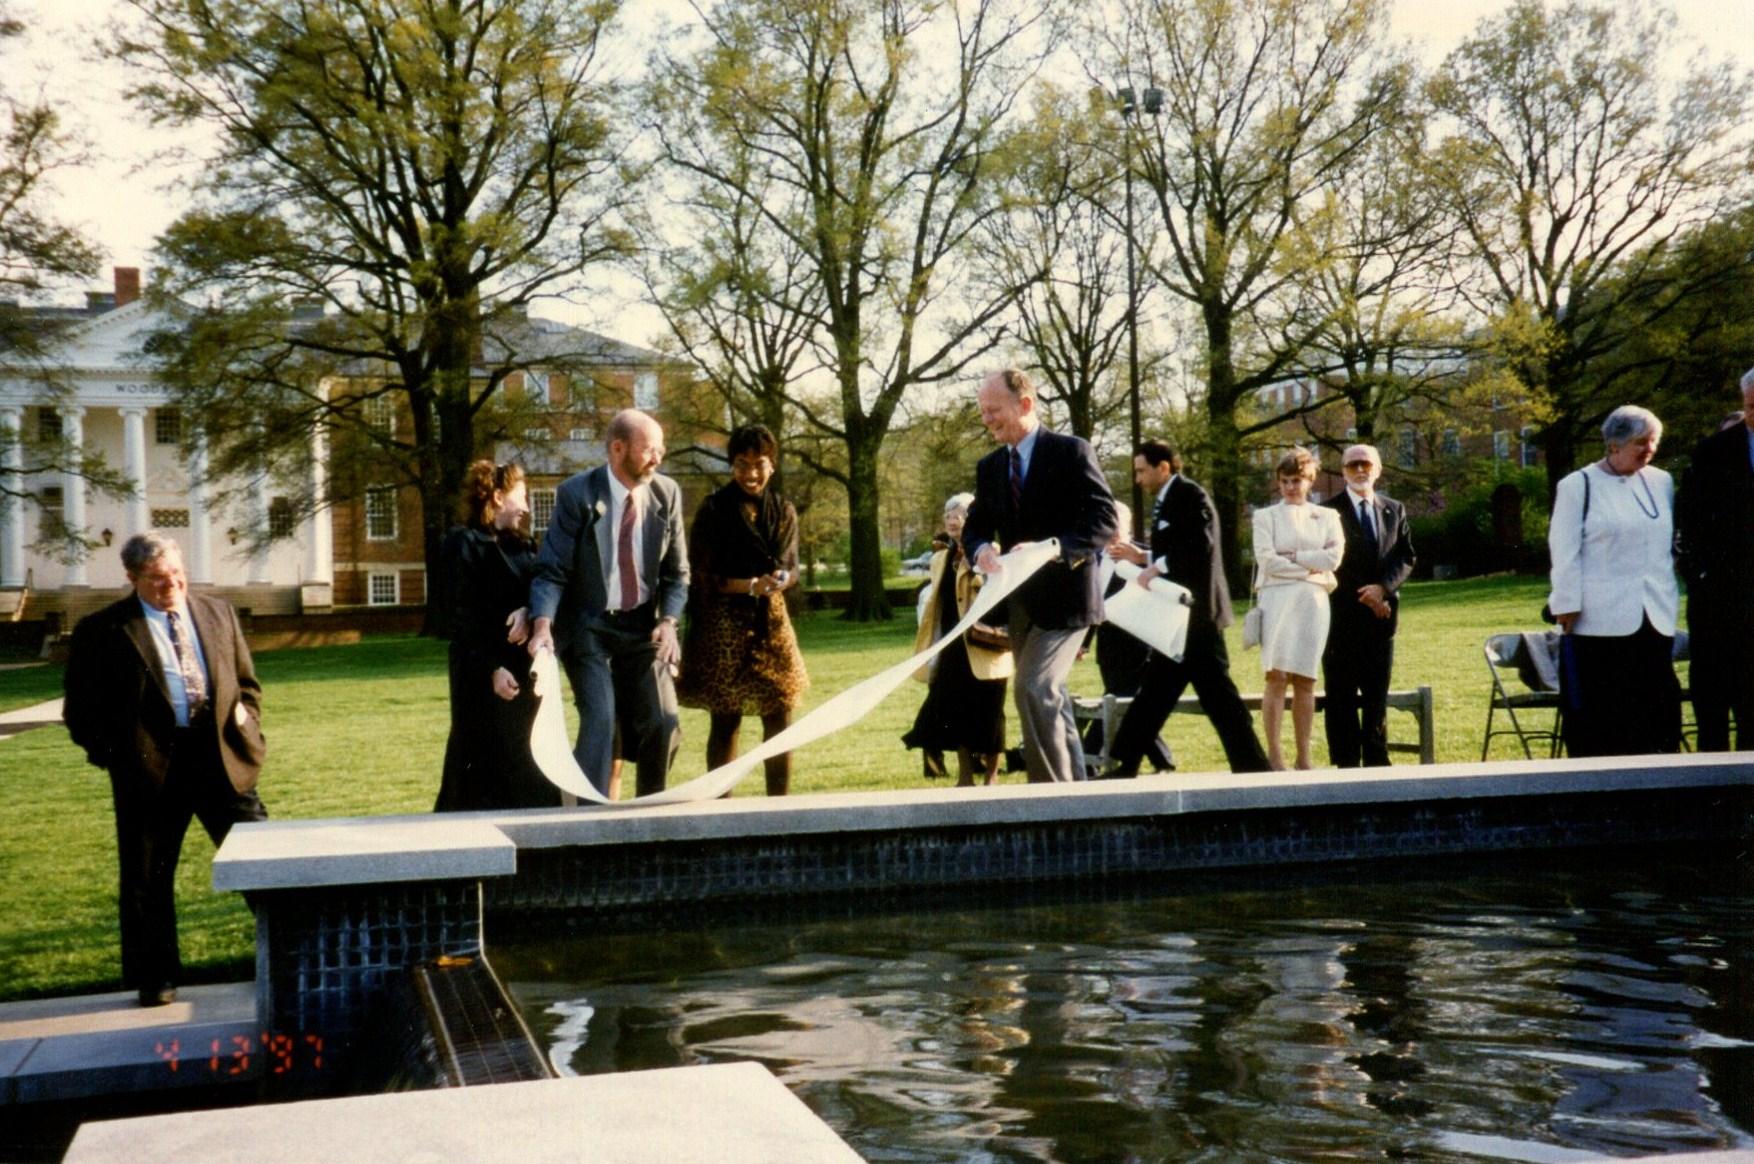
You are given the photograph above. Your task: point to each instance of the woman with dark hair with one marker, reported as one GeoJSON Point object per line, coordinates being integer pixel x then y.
{"type": "Point", "coordinates": [488, 563]}
{"type": "Point", "coordinates": [741, 655]}
{"type": "Point", "coordinates": [964, 711]}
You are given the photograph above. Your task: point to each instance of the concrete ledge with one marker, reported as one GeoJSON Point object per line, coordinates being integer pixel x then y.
{"type": "Point", "coordinates": [732, 1113]}
{"type": "Point", "coordinates": [304, 854]}
{"type": "Point", "coordinates": [455, 846]}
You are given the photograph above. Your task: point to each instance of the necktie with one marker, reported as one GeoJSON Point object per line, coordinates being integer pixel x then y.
{"type": "Point", "coordinates": [1016, 481]}
{"type": "Point", "coordinates": [624, 557]}
{"type": "Point", "coordinates": [1157, 511]}
{"type": "Point", "coordinates": [194, 683]}
{"type": "Point", "coordinates": [1365, 520]}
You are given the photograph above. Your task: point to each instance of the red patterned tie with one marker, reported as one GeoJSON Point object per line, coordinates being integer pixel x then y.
{"type": "Point", "coordinates": [624, 557]}
{"type": "Point", "coordinates": [1016, 481]}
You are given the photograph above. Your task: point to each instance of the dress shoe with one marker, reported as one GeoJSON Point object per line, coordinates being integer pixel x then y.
{"type": "Point", "coordinates": [158, 995]}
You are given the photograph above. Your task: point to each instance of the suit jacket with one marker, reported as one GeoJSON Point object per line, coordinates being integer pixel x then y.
{"type": "Point", "coordinates": [489, 579]}
{"type": "Point", "coordinates": [1714, 519]}
{"type": "Point", "coordinates": [1388, 564]}
{"type": "Point", "coordinates": [1184, 540]}
{"type": "Point", "coordinates": [119, 710]}
{"type": "Point", "coordinates": [569, 582]}
{"type": "Point", "coordinates": [1065, 496]}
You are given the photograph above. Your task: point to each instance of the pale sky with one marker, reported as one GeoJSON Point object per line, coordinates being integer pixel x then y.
{"type": "Point", "coordinates": [119, 199]}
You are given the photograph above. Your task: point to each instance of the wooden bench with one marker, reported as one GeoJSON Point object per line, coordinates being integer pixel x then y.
{"type": "Point", "coordinates": [1110, 708]}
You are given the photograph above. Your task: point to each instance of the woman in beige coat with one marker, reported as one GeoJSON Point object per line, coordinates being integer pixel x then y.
{"type": "Point", "coordinates": [964, 709]}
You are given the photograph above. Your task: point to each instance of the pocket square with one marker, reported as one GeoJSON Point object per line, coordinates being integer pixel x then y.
{"type": "Point", "coordinates": [1162, 524]}
{"type": "Point", "coordinates": [242, 716]}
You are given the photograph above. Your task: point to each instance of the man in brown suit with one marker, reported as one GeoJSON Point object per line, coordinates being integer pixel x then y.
{"type": "Point", "coordinates": [161, 692]}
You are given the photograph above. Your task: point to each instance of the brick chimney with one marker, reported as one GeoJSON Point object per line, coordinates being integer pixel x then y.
{"type": "Point", "coordinates": [127, 285]}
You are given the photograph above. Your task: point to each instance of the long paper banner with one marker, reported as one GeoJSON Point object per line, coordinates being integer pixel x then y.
{"type": "Point", "coordinates": [1157, 617]}
{"type": "Point", "coordinates": [553, 753]}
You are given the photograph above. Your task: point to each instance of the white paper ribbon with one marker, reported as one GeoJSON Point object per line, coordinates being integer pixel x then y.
{"type": "Point", "coordinates": [553, 754]}
{"type": "Point", "coordinates": [1157, 617]}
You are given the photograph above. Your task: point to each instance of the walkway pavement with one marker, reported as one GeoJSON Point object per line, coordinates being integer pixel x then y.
{"type": "Point", "coordinates": [22, 719]}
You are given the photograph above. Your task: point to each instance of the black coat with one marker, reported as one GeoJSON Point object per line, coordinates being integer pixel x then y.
{"type": "Point", "coordinates": [487, 759]}
{"type": "Point", "coordinates": [1184, 537]}
{"type": "Point", "coordinates": [1388, 564]}
{"type": "Point", "coordinates": [1714, 520]}
{"type": "Point", "coordinates": [1065, 496]}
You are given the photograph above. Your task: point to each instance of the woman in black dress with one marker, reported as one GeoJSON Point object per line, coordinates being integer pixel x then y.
{"type": "Point", "coordinates": [488, 563]}
{"type": "Point", "coordinates": [741, 656]}
{"type": "Point", "coordinates": [964, 710]}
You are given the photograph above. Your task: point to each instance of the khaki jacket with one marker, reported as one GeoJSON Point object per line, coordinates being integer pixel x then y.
{"type": "Point", "coordinates": [985, 662]}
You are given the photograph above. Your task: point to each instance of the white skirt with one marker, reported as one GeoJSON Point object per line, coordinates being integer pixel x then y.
{"type": "Point", "coordinates": [1294, 628]}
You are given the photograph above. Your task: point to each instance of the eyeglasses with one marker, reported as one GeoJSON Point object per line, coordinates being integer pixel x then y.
{"type": "Point", "coordinates": [1351, 465]}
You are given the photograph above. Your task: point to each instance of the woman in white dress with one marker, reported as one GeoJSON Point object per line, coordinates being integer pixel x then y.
{"type": "Point", "coordinates": [1297, 548]}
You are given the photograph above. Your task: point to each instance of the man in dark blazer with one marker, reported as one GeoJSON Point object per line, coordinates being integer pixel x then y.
{"type": "Point", "coordinates": [161, 692]}
{"type": "Point", "coordinates": [1184, 549]}
{"type": "Point", "coordinates": [1364, 611]}
{"type": "Point", "coordinates": [1714, 524]}
{"type": "Point", "coordinates": [1041, 485]}
{"type": "Point", "coordinates": [611, 580]}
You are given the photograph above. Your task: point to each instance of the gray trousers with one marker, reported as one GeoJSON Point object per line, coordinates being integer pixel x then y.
{"type": "Point", "coordinates": [618, 684]}
{"type": "Point", "coordinates": [1044, 660]}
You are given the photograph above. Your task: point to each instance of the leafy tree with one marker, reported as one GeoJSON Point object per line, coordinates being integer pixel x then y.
{"type": "Point", "coordinates": [395, 184]}
{"type": "Point", "coordinates": [1575, 170]}
{"type": "Point", "coordinates": [868, 135]}
{"type": "Point", "coordinates": [1266, 102]}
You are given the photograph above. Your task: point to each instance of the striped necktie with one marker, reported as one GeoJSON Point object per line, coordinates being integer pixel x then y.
{"type": "Point", "coordinates": [1016, 481]}
{"type": "Point", "coordinates": [194, 682]}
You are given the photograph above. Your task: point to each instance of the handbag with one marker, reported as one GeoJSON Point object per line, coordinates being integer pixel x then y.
{"type": "Point", "coordinates": [1255, 620]}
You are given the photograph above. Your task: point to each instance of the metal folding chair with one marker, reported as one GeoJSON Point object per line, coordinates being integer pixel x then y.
{"type": "Point", "coordinates": [1504, 653]}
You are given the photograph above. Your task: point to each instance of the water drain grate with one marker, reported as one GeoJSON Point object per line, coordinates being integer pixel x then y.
{"type": "Point", "coordinates": [481, 1037]}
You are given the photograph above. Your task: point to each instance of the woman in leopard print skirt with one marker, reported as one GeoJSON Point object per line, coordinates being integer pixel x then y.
{"type": "Point", "coordinates": [741, 655]}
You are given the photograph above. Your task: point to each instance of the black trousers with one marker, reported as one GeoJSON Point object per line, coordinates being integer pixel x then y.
{"type": "Point", "coordinates": [1620, 694]}
{"type": "Point", "coordinates": [1206, 665]}
{"type": "Point", "coordinates": [1355, 673]}
{"type": "Point", "coordinates": [1721, 673]}
{"type": "Point", "coordinates": [150, 826]}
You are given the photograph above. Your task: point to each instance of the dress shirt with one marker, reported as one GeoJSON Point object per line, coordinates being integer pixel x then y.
{"type": "Point", "coordinates": [1157, 519]}
{"type": "Point", "coordinates": [620, 497]}
{"type": "Point", "coordinates": [1750, 448]}
{"type": "Point", "coordinates": [167, 656]}
{"type": "Point", "coordinates": [1359, 503]}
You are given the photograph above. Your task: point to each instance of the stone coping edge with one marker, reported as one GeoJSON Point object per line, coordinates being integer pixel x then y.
{"type": "Point", "coordinates": [291, 854]}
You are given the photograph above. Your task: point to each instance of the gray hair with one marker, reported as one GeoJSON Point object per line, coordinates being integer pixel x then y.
{"type": "Point", "coordinates": [1628, 423]}
{"type": "Point", "coordinates": [958, 501]}
{"type": "Point", "coordinates": [1748, 381]}
{"type": "Point", "coordinates": [143, 549]}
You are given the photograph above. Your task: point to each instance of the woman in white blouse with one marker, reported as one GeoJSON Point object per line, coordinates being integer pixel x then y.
{"type": "Point", "coordinates": [1297, 547]}
{"type": "Point", "coordinates": [1612, 540]}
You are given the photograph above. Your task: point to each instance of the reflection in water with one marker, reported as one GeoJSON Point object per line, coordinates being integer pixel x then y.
{"type": "Point", "coordinates": [1534, 1013]}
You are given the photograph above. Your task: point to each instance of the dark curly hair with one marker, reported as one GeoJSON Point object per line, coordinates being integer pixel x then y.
{"type": "Point", "coordinates": [481, 480]}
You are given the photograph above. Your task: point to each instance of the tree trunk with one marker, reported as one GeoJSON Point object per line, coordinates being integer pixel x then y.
{"type": "Point", "coordinates": [869, 601]}
{"type": "Point", "coordinates": [1223, 445]}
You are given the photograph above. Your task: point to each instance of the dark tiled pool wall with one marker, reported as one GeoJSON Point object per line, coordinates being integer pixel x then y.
{"type": "Point", "coordinates": [656, 875]}
{"type": "Point", "coordinates": [447, 1023]}
{"type": "Point", "coordinates": [326, 959]}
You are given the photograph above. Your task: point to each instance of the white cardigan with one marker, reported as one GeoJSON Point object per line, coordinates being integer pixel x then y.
{"type": "Point", "coordinates": [1615, 567]}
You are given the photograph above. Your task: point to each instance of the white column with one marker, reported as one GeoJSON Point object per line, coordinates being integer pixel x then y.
{"type": "Point", "coordinates": [200, 524]}
{"type": "Point", "coordinates": [134, 468]}
{"type": "Point", "coordinates": [258, 518]}
{"type": "Point", "coordinates": [11, 507]}
{"type": "Point", "coordinates": [319, 526]}
{"type": "Point", "coordinates": [73, 485]}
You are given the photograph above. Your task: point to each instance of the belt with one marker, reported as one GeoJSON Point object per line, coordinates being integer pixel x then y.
{"type": "Point", "coordinates": [644, 612]}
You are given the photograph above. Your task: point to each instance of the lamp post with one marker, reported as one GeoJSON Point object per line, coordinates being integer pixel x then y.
{"type": "Point", "coordinates": [1130, 107]}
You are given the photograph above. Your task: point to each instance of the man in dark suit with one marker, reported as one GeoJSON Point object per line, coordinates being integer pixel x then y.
{"type": "Point", "coordinates": [161, 692]}
{"type": "Point", "coordinates": [1041, 485]}
{"type": "Point", "coordinates": [1121, 660]}
{"type": "Point", "coordinates": [611, 581]}
{"type": "Point", "coordinates": [1364, 610]}
{"type": "Point", "coordinates": [1184, 549]}
{"type": "Point", "coordinates": [1714, 520]}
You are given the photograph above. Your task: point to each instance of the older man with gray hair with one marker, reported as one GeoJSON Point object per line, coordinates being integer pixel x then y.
{"type": "Point", "coordinates": [1715, 537]}
{"type": "Point", "coordinates": [1364, 613]}
{"type": "Point", "coordinates": [162, 693]}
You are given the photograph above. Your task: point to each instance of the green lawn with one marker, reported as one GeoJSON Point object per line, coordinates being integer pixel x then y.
{"type": "Point", "coordinates": [360, 730]}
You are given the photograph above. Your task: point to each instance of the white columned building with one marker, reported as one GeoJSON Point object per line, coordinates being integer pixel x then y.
{"type": "Point", "coordinates": [73, 484]}
{"type": "Point", "coordinates": [12, 568]}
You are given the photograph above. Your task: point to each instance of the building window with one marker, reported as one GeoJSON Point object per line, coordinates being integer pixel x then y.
{"type": "Point", "coordinates": [1452, 443]}
{"type": "Point", "coordinates": [541, 510]}
{"type": "Point", "coordinates": [282, 521]}
{"type": "Point", "coordinates": [52, 500]}
{"type": "Point", "coordinates": [167, 426]}
{"type": "Point", "coordinates": [379, 413]}
{"type": "Point", "coordinates": [536, 389]}
{"type": "Point", "coordinates": [1409, 448]}
{"type": "Point", "coordinates": [535, 435]}
{"type": "Point", "coordinates": [170, 519]}
{"type": "Point", "coordinates": [383, 589]}
{"type": "Point", "coordinates": [580, 434]}
{"type": "Point", "coordinates": [1501, 445]}
{"type": "Point", "coordinates": [645, 391]}
{"type": "Point", "coordinates": [380, 514]}
{"type": "Point", "coordinates": [1531, 454]}
{"type": "Point", "coordinates": [48, 424]}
